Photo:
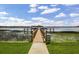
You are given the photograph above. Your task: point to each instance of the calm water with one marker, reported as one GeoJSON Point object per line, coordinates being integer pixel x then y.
{"type": "Point", "coordinates": [65, 29]}
{"type": "Point", "coordinates": [55, 29]}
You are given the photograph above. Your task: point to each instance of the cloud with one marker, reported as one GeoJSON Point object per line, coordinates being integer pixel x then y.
{"type": "Point", "coordinates": [46, 22]}
{"type": "Point", "coordinates": [3, 13]}
{"type": "Point", "coordinates": [74, 14]}
{"type": "Point", "coordinates": [46, 10]}
{"type": "Point", "coordinates": [53, 5]}
{"type": "Point", "coordinates": [32, 10]}
{"type": "Point", "coordinates": [50, 10]}
{"type": "Point", "coordinates": [35, 21]}
{"type": "Point", "coordinates": [39, 19]}
{"type": "Point", "coordinates": [11, 18]}
{"type": "Point", "coordinates": [43, 7]}
{"type": "Point", "coordinates": [75, 23]}
{"type": "Point", "coordinates": [54, 23]}
{"type": "Point", "coordinates": [33, 5]}
{"type": "Point", "coordinates": [13, 21]}
{"type": "Point", "coordinates": [61, 15]}
{"type": "Point", "coordinates": [59, 23]}
{"type": "Point", "coordinates": [2, 17]}
{"type": "Point", "coordinates": [69, 4]}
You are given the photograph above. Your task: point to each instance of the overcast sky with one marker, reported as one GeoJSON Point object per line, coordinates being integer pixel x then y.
{"type": "Point", "coordinates": [39, 14]}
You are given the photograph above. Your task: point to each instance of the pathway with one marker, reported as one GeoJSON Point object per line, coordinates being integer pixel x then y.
{"type": "Point", "coordinates": [38, 46]}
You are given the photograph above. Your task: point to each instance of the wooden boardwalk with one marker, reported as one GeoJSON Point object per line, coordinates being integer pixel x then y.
{"type": "Point", "coordinates": [38, 46]}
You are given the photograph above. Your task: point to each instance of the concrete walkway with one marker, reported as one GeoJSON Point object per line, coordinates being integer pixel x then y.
{"type": "Point", "coordinates": [38, 47]}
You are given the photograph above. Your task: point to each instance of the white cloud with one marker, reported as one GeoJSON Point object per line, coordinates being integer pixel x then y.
{"type": "Point", "coordinates": [46, 22]}
{"type": "Point", "coordinates": [74, 14]}
{"type": "Point", "coordinates": [39, 19]}
{"type": "Point", "coordinates": [11, 18]}
{"type": "Point", "coordinates": [59, 23]}
{"type": "Point", "coordinates": [54, 23]}
{"type": "Point", "coordinates": [50, 10]}
{"type": "Point", "coordinates": [3, 13]}
{"type": "Point", "coordinates": [53, 5]}
{"type": "Point", "coordinates": [2, 17]}
{"type": "Point", "coordinates": [33, 5]}
{"type": "Point", "coordinates": [75, 23]}
{"type": "Point", "coordinates": [43, 7]}
{"type": "Point", "coordinates": [32, 10]}
{"type": "Point", "coordinates": [69, 4]}
{"type": "Point", "coordinates": [61, 15]}
{"type": "Point", "coordinates": [13, 21]}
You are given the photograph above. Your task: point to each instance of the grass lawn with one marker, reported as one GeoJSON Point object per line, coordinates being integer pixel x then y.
{"type": "Point", "coordinates": [14, 48]}
{"type": "Point", "coordinates": [63, 48]}
{"type": "Point", "coordinates": [64, 43]}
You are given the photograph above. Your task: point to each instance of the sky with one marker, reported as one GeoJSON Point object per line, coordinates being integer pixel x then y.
{"type": "Point", "coordinates": [39, 14]}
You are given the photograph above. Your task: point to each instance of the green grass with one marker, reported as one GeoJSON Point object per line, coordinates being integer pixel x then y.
{"type": "Point", "coordinates": [14, 48]}
{"type": "Point", "coordinates": [64, 43]}
{"type": "Point", "coordinates": [63, 48]}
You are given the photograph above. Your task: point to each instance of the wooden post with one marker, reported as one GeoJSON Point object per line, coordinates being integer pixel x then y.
{"type": "Point", "coordinates": [53, 29]}
{"type": "Point", "coordinates": [27, 33]}
{"type": "Point", "coordinates": [31, 35]}
{"type": "Point", "coordinates": [50, 30]}
{"type": "Point", "coordinates": [46, 35]}
{"type": "Point", "coordinates": [24, 30]}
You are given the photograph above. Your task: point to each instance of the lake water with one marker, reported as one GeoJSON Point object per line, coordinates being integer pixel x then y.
{"type": "Point", "coordinates": [55, 29]}
{"type": "Point", "coordinates": [64, 29]}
